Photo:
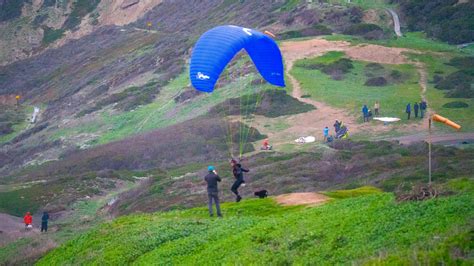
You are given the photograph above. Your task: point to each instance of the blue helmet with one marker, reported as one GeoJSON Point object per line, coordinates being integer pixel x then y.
{"type": "Point", "coordinates": [210, 168]}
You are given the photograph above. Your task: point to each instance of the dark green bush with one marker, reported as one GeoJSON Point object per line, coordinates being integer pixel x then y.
{"type": "Point", "coordinates": [376, 82]}
{"type": "Point", "coordinates": [272, 103]}
{"type": "Point", "coordinates": [10, 9]}
{"type": "Point", "coordinates": [456, 104]}
{"type": "Point", "coordinates": [366, 30]}
{"type": "Point", "coordinates": [50, 35]}
{"type": "Point", "coordinates": [79, 10]}
{"type": "Point", "coordinates": [316, 30]}
{"type": "Point", "coordinates": [447, 20]}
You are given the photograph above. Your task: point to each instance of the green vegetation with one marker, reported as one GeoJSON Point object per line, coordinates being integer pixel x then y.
{"type": "Point", "coordinates": [458, 84]}
{"type": "Point", "coordinates": [365, 4]}
{"type": "Point", "coordinates": [448, 20]}
{"type": "Point", "coordinates": [164, 111]}
{"type": "Point", "coordinates": [12, 121]}
{"type": "Point", "coordinates": [363, 229]}
{"type": "Point", "coordinates": [51, 35]}
{"type": "Point", "coordinates": [332, 63]}
{"type": "Point", "coordinates": [11, 9]}
{"type": "Point", "coordinates": [350, 193]}
{"type": "Point", "coordinates": [315, 30]}
{"type": "Point", "coordinates": [289, 5]}
{"type": "Point", "coordinates": [456, 104]}
{"type": "Point", "coordinates": [437, 65]}
{"type": "Point", "coordinates": [128, 99]}
{"type": "Point", "coordinates": [366, 31]}
{"type": "Point", "coordinates": [80, 9]}
{"type": "Point", "coordinates": [351, 93]}
{"type": "Point", "coordinates": [269, 103]}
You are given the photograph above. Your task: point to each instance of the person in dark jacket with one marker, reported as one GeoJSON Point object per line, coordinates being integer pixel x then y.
{"type": "Point", "coordinates": [212, 180]}
{"type": "Point", "coordinates": [415, 108]}
{"type": "Point", "coordinates": [408, 111]}
{"type": "Point", "coordinates": [44, 222]}
{"type": "Point", "coordinates": [422, 108]}
{"type": "Point", "coordinates": [238, 172]}
{"type": "Point", "coordinates": [337, 126]}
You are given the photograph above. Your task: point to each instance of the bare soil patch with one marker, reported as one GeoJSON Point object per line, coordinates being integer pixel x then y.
{"type": "Point", "coordinates": [306, 198]}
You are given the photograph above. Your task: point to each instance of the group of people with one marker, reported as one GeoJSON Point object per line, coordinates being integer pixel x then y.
{"type": "Point", "coordinates": [417, 108]}
{"type": "Point", "coordinates": [212, 179]}
{"type": "Point", "coordinates": [28, 220]}
{"type": "Point", "coordinates": [340, 129]}
{"type": "Point", "coordinates": [367, 113]}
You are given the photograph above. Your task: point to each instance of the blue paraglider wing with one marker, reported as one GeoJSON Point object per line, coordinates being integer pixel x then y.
{"type": "Point", "coordinates": [218, 46]}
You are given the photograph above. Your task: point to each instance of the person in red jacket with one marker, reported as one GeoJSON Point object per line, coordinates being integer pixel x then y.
{"type": "Point", "coordinates": [28, 219]}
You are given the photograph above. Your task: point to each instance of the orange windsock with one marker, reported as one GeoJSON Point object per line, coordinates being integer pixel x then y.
{"type": "Point", "coordinates": [269, 34]}
{"type": "Point", "coordinates": [446, 121]}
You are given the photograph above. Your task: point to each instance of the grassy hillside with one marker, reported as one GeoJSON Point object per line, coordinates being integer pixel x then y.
{"type": "Point", "coordinates": [370, 229]}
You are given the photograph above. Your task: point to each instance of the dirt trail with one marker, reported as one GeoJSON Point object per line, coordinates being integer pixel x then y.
{"type": "Point", "coordinates": [306, 198]}
{"type": "Point", "coordinates": [312, 123]}
{"type": "Point", "coordinates": [451, 138]}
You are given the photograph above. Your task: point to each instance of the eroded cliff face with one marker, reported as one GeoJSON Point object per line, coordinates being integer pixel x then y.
{"type": "Point", "coordinates": [30, 28]}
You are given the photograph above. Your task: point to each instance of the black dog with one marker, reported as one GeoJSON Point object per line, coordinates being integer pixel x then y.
{"type": "Point", "coordinates": [261, 194]}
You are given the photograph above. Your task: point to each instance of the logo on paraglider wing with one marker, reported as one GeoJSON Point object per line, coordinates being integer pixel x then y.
{"type": "Point", "coordinates": [202, 76]}
{"type": "Point", "coordinates": [248, 31]}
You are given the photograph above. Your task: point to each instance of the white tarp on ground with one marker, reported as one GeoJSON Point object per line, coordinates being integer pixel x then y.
{"type": "Point", "coordinates": [307, 139]}
{"type": "Point", "coordinates": [387, 119]}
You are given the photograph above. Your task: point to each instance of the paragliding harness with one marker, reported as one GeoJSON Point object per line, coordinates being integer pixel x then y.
{"type": "Point", "coordinates": [266, 148]}
{"type": "Point", "coordinates": [343, 133]}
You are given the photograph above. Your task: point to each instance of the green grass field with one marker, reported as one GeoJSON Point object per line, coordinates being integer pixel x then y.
{"type": "Point", "coordinates": [371, 228]}
{"type": "Point", "coordinates": [351, 93]}
{"type": "Point", "coordinates": [26, 111]}
{"type": "Point", "coordinates": [365, 4]}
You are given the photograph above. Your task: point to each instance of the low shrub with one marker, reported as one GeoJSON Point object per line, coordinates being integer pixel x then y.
{"type": "Point", "coordinates": [456, 104]}
{"type": "Point", "coordinates": [316, 30]}
{"type": "Point", "coordinates": [366, 30]}
{"type": "Point", "coordinates": [50, 35]}
{"type": "Point", "coordinates": [376, 82]}
{"type": "Point", "coordinates": [270, 103]}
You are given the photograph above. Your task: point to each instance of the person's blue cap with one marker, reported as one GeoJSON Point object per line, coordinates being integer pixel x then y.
{"type": "Point", "coordinates": [210, 168]}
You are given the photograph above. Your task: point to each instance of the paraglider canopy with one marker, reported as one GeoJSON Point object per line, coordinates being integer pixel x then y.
{"type": "Point", "coordinates": [218, 46]}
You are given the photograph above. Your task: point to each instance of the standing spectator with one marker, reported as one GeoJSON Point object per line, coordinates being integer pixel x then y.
{"type": "Point", "coordinates": [326, 133]}
{"type": "Point", "coordinates": [415, 108]}
{"type": "Point", "coordinates": [28, 220]}
{"type": "Point", "coordinates": [422, 108]}
{"type": "Point", "coordinates": [408, 111]}
{"type": "Point", "coordinates": [212, 190]}
{"type": "Point", "coordinates": [376, 108]}
{"type": "Point", "coordinates": [337, 126]}
{"type": "Point", "coordinates": [365, 113]}
{"type": "Point", "coordinates": [44, 222]}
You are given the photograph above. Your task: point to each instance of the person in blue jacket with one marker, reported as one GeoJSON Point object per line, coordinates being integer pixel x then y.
{"type": "Point", "coordinates": [365, 113]}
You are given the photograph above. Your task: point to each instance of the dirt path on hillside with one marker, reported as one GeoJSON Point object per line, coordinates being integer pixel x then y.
{"type": "Point", "coordinates": [306, 198]}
